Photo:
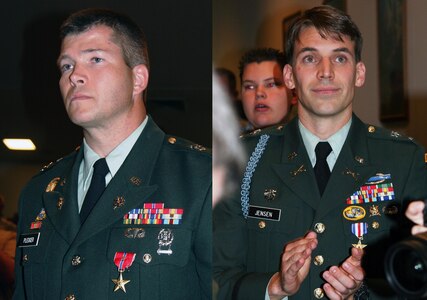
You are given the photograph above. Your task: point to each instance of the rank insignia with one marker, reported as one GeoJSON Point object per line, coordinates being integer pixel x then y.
{"type": "Point", "coordinates": [136, 180]}
{"type": "Point", "coordinates": [154, 213]}
{"type": "Point", "coordinates": [354, 213]}
{"type": "Point", "coordinates": [374, 211]}
{"type": "Point", "coordinates": [165, 238]}
{"type": "Point", "coordinates": [270, 194]}
{"type": "Point", "coordinates": [123, 261]}
{"type": "Point", "coordinates": [52, 184]}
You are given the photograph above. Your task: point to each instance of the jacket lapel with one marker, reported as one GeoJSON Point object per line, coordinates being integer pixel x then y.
{"type": "Point", "coordinates": [295, 169]}
{"type": "Point", "coordinates": [351, 170]}
{"type": "Point", "coordinates": [61, 202]}
{"type": "Point", "coordinates": [130, 185]}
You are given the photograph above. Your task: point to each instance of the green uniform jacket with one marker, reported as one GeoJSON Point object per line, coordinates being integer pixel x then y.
{"type": "Point", "coordinates": [77, 262]}
{"type": "Point", "coordinates": [285, 204]}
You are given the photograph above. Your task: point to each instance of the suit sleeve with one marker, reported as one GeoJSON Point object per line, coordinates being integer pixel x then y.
{"type": "Point", "coordinates": [234, 279]}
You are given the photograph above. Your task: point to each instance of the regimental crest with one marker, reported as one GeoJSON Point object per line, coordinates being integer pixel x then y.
{"type": "Point", "coordinates": [374, 210]}
{"type": "Point", "coordinates": [165, 238]}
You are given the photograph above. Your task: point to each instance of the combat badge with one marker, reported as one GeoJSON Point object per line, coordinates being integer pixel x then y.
{"type": "Point", "coordinates": [354, 213]}
{"type": "Point", "coordinates": [123, 261]}
{"type": "Point", "coordinates": [165, 238]}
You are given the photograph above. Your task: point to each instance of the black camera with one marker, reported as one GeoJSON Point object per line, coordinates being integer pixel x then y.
{"type": "Point", "coordinates": [406, 266]}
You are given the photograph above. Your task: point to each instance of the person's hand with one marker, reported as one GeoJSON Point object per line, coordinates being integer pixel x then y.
{"type": "Point", "coordinates": [415, 213]}
{"type": "Point", "coordinates": [294, 268]}
{"type": "Point", "coordinates": [343, 281]}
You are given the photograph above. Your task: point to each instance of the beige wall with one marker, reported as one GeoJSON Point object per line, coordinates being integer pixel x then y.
{"type": "Point", "coordinates": [239, 25]}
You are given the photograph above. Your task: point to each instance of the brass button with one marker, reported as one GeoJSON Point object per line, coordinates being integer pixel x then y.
{"type": "Point", "coordinates": [319, 227]}
{"type": "Point", "coordinates": [172, 140]}
{"type": "Point", "coordinates": [318, 293]}
{"type": "Point", "coordinates": [318, 260]}
{"type": "Point", "coordinates": [261, 224]}
{"type": "Point", "coordinates": [375, 225]}
{"type": "Point", "coordinates": [25, 258]}
{"type": "Point", "coordinates": [76, 260]}
{"type": "Point", "coordinates": [70, 297]}
{"type": "Point", "coordinates": [147, 258]}
{"type": "Point", "coordinates": [371, 129]}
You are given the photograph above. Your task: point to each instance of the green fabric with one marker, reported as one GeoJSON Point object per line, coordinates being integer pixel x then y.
{"type": "Point", "coordinates": [172, 173]}
{"type": "Point", "coordinates": [245, 255]}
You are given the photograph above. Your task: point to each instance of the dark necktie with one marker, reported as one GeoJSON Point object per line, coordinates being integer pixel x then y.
{"type": "Point", "coordinates": [321, 169]}
{"type": "Point", "coordinates": [96, 188]}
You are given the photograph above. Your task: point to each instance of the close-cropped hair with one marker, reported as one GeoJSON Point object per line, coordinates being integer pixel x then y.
{"type": "Point", "coordinates": [259, 55]}
{"type": "Point", "coordinates": [329, 22]}
{"type": "Point", "coordinates": [126, 33]}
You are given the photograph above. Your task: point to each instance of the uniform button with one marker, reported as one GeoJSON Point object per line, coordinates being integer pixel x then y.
{"type": "Point", "coordinates": [318, 260]}
{"type": "Point", "coordinates": [70, 297]}
{"type": "Point", "coordinates": [371, 129]}
{"type": "Point", "coordinates": [76, 260]}
{"type": "Point", "coordinates": [261, 224]}
{"type": "Point", "coordinates": [25, 258]}
{"type": "Point", "coordinates": [60, 203]}
{"type": "Point", "coordinates": [319, 227]}
{"type": "Point", "coordinates": [375, 225]}
{"type": "Point", "coordinates": [146, 258]}
{"type": "Point", "coordinates": [172, 140]}
{"type": "Point", "coordinates": [318, 293]}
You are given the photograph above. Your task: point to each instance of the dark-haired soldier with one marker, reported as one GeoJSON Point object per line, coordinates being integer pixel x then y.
{"type": "Point", "coordinates": [321, 196]}
{"type": "Point", "coordinates": [128, 214]}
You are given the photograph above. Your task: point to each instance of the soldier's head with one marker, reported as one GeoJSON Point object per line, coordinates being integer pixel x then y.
{"type": "Point", "coordinates": [329, 22]}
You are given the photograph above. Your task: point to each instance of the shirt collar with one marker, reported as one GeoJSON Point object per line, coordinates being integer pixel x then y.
{"type": "Point", "coordinates": [336, 140]}
{"type": "Point", "coordinates": [116, 157]}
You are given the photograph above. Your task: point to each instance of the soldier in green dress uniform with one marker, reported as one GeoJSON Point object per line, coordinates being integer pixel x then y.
{"type": "Point", "coordinates": [147, 235]}
{"type": "Point", "coordinates": [321, 196]}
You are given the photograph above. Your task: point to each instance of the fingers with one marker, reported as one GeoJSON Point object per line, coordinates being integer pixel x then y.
{"type": "Point", "coordinates": [414, 212]}
{"type": "Point", "coordinates": [418, 229]}
{"type": "Point", "coordinates": [344, 281]}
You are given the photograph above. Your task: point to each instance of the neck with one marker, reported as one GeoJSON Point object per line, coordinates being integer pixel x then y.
{"type": "Point", "coordinates": [105, 139]}
{"type": "Point", "coordinates": [324, 127]}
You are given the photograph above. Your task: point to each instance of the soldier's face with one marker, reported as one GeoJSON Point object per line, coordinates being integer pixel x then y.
{"type": "Point", "coordinates": [324, 74]}
{"type": "Point", "coordinates": [96, 84]}
{"type": "Point", "coordinates": [265, 97]}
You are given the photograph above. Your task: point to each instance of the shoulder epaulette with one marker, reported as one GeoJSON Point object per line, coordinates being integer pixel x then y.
{"type": "Point", "coordinates": [382, 133]}
{"type": "Point", "coordinates": [53, 163]}
{"type": "Point", "coordinates": [185, 144]}
{"type": "Point", "coordinates": [271, 130]}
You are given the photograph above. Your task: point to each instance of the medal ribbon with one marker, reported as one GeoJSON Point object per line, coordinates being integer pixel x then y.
{"type": "Point", "coordinates": [359, 229]}
{"type": "Point", "coordinates": [123, 260]}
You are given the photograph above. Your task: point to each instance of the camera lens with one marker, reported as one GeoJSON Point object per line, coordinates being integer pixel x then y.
{"type": "Point", "coordinates": [406, 267]}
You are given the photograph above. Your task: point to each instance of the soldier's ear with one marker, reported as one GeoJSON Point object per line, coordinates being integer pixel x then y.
{"type": "Point", "coordinates": [360, 74]}
{"type": "Point", "coordinates": [140, 78]}
{"type": "Point", "coordinates": [288, 77]}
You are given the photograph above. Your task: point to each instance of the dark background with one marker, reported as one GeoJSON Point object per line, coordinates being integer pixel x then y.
{"type": "Point", "coordinates": [179, 93]}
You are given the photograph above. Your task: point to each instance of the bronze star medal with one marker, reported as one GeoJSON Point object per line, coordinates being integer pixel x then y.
{"type": "Point", "coordinates": [123, 261]}
{"type": "Point", "coordinates": [120, 283]}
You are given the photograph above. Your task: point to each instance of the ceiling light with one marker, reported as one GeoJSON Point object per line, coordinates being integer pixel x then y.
{"type": "Point", "coordinates": [19, 144]}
